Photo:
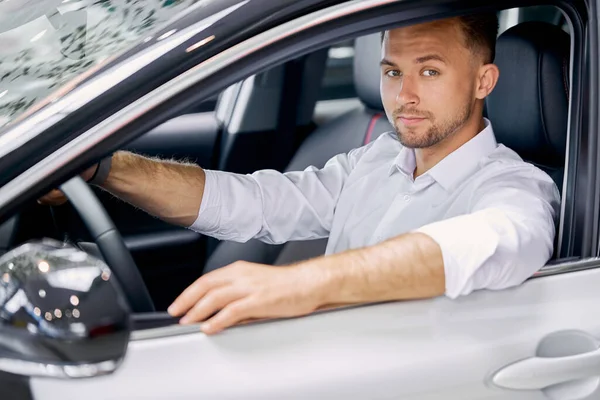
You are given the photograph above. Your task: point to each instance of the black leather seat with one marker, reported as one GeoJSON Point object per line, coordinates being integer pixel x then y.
{"type": "Point", "coordinates": [528, 110]}
{"type": "Point", "coordinates": [529, 106]}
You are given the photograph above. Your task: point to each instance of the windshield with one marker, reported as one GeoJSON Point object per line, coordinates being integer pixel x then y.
{"type": "Point", "coordinates": [46, 43]}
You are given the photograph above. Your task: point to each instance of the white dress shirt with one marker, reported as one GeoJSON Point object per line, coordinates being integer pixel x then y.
{"type": "Point", "coordinates": [491, 213]}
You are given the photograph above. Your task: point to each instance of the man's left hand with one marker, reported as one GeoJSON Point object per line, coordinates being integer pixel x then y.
{"type": "Point", "coordinates": [245, 290]}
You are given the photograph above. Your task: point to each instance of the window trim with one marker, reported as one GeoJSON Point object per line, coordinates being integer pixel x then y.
{"type": "Point", "coordinates": [572, 224]}
{"type": "Point", "coordinates": [567, 265]}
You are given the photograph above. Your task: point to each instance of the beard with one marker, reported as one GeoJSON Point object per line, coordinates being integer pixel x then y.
{"type": "Point", "coordinates": [437, 132]}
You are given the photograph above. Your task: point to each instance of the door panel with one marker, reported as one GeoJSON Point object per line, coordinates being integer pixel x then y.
{"type": "Point", "coordinates": [431, 349]}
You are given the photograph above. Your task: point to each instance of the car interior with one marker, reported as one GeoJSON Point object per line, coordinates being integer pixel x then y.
{"type": "Point", "coordinates": [318, 105]}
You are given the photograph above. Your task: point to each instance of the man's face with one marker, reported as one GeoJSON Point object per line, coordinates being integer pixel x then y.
{"type": "Point", "coordinates": [428, 81]}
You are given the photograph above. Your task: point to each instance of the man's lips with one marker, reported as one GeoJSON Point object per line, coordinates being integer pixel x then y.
{"type": "Point", "coordinates": [407, 120]}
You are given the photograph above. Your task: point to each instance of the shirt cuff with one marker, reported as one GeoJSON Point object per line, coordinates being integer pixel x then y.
{"type": "Point", "coordinates": [207, 219]}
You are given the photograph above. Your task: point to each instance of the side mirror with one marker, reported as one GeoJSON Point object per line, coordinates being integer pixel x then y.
{"type": "Point", "coordinates": [61, 313]}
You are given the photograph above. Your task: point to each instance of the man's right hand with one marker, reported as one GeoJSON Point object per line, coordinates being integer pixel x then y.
{"type": "Point", "coordinates": [57, 198]}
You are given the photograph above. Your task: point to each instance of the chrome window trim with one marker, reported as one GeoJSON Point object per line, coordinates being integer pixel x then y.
{"type": "Point", "coordinates": [568, 265]}
{"type": "Point", "coordinates": [112, 124]}
{"type": "Point", "coordinates": [567, 167]}
{"type": "Point", "coordinates": [164, 332]}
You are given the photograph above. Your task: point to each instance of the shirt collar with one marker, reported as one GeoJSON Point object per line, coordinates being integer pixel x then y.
{"type": "Point", "coordinates": [456, 165]}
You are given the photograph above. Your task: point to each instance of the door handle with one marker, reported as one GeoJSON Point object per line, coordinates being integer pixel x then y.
{"type": "Point", "coordinates": [542, 372]}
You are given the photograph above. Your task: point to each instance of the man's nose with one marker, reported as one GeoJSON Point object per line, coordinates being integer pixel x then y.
{"type": "Point", "coordinates": [407, 93]}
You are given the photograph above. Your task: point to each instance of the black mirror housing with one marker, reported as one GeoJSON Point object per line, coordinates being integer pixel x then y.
{"type": "Point", "coordinates": [61, 313]}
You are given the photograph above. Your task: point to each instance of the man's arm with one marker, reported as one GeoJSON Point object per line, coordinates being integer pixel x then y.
{"type": "Point", "coordinates": [496, 249]}
{"type": "Point", "coordinates": [406, 267]}
{"type": "Point", "coordinates": [169, 190]}
{"type": "Point", "coordinates": [266, 205]}
{"type": "Point", "coordinates": [506, 238]}
{"type": "Point", "coordinates": [274, 207]}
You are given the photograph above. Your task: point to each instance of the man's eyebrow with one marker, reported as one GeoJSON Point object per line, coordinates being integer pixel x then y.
{"type": "Point", "coordinates": [385, 61]}
{"type": "Point", "coordinates": [419, 60]}
{"type": "Point", "coordinates": [430, 57]}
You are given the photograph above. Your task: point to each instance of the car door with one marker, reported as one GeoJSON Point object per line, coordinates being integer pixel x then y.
{"type": "Point", "coordinates": [535, 341]}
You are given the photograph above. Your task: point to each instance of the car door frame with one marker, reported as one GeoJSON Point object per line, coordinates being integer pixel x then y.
{"type": "Point", "coordinates": [282, 44]}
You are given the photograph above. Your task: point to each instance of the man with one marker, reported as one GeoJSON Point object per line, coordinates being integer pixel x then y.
{"type": "Point", "coordinates": [436, 207]}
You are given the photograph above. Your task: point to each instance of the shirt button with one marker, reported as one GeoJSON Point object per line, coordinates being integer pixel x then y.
{"type": "Point", "coordinates": [406, 198]}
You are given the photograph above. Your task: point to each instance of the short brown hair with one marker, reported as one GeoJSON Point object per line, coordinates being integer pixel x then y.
{"type": "Point", "coordinates": [480, 32]}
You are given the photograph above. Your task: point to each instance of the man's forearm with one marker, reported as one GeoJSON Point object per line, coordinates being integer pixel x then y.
{"type": "Point", "coordinates": [169, 190]}
{"type": "Point", "coordinates": [410, 266]}
{"type": "Point", "coordinates": [407, 267]}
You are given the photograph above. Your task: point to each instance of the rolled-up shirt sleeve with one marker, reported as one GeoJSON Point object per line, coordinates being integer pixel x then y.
{"type": "Point", "coordinates": [271, 206]}
{"type": "Point", "coordinates": [505, 239]}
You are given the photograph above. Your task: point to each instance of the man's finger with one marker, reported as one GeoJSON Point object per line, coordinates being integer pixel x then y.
{"type": "Point", "coordinates": [212, 302]}
{"type": "Point", "coordinates": [55, 197]}
{"type": "Point", "coordinates": [189, 297]}
{"type": "Point", "coordinates": [228, 316]}
{"type": "Point", "coordinates": [51, 202]}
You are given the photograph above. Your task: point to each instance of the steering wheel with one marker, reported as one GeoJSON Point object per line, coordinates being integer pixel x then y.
{"type": "Point", "coordinates": [110, 242]}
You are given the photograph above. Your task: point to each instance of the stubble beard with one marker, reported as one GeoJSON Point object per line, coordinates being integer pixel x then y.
{"type": "Point", "coordinates": [436, 133]}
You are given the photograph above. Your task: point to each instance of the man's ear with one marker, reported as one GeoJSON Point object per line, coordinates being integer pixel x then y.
{"type": "Point", "coordinates": [486, 79]}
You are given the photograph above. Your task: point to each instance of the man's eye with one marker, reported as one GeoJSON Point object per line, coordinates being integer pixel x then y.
{"type": "Point", "coordinates": [430, 72]}
{"type": "Point", "coordinates": [393, 73]}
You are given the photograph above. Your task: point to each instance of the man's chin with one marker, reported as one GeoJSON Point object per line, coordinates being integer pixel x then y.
{"type": "Point", "coordinates": [411, 138]}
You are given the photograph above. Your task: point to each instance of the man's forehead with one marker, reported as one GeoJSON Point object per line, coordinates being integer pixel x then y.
{"type": "Point", "coordinates": [441, 36]}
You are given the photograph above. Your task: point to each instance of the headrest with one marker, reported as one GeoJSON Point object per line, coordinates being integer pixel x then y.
{"type": "Point", "coordinates": [367, 55]}
{"type": "Point", "coordinates": [529, 106]}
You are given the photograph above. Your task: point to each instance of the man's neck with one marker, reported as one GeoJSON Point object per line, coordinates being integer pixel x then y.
{"type": "Point", "coordinates": [427, 158]}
